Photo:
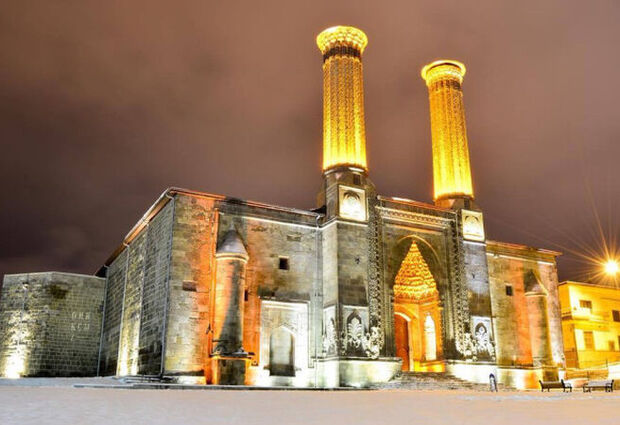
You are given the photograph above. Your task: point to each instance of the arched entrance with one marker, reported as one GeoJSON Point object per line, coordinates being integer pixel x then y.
{"type": "Point", "coordinates": [417, 315]}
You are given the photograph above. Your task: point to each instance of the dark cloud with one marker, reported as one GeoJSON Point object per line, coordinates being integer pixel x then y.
{"type": "Point", "coordinates": [104, 104]}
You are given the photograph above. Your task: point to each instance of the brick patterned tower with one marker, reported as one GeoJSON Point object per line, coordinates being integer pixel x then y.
{"type": "Point", "coordinates": [453, 189]}
{"type": "Point", "coordinates": [351, 293]}
{"type": "Point", "coordinates": [344, 132]}
{"type": "Point", "coordinates": [451, 170]}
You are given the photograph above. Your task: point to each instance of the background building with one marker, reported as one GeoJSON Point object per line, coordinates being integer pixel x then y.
{"type": "Point", "coordinates": [590, 324]}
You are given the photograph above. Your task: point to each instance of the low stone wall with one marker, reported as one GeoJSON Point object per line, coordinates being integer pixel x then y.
{"type": "Point", "coordinates": [358, 373]}
{"type": "Point", "coordinates": [50, 324]}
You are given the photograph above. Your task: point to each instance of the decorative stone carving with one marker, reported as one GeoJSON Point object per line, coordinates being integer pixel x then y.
{"type": "Point", "coordinates": [483, 336]}
{"type": "Point", "coordinates": [355, 321]}
{"type": "Point", "coordinates": [463, 340]}
{"type": "Point", "coordinates": [466, 346]}
{"type": "Point", "coordinates": [479, 345]}
{"type": "Point", "coordinates": [414, 218]}
{"type": "Point", "coordinates": [357, 338]}
{"type": "Point", "coordinates": [355, 332]}
{"type": "Point", "coordinates": [377, 287]}
{"type": "Point", "coordinates": [352, 203]}
{"type": "Point", "coordinates": [373, 342]}
{"type": "Point", "coordinates": [330, 342]}
{"type": "Point", "coordinates": [414, 281]}
{"type": "Point", "coordinates": [473, 227]}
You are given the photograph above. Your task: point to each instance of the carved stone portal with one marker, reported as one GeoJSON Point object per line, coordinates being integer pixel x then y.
{"type": "Point", "coordinates": [417, 314]}
{"type": "Point", "coordinates": [283, 337]}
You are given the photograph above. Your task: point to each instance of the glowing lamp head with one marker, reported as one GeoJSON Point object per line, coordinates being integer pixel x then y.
{"type": "Point", "coordinates": [451, 168]}
{"type": "Point", "coordinates": [612, 267]}
{"type": "Point", "coordinates": [341, 36]}
{"type": "Point", "coordinates": [442, 69]}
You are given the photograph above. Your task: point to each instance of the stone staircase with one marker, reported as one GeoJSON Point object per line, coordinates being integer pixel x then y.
{"type": "Point", "coordinates": [433, 381]}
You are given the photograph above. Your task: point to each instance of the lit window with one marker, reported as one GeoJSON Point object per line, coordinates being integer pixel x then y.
{"type": "Point", "coordinates": [283, 263]}
{"type": "Point", "coordinates": [585, 304]}
{"type": "Point", "coordinates": [588, 340]}
{"type": "Point", "coordinates": [509, 290]}
{"type": "Point", "coordinates": [616, 315]}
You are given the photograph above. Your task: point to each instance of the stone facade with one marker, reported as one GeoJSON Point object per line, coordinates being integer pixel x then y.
{"type": "Point", "coordinates": [526, 310]}
{"type": "Point", "coordinates": [136, 301]}
{"type": "Point", "coordinates": [316, 305]}
{"type": "Point", "coordinates": [50, 324]}
{"type": "Point", "coordinates": [209, 289]}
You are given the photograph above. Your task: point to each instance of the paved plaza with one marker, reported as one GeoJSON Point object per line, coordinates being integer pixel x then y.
{"type": "Point", "coordinates": [41, 403]}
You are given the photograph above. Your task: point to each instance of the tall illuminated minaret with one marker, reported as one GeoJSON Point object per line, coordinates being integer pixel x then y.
{"type": "Point", "coordinates": [345, 171]}
{"type": "Point", "coordinates": [349, 199]}
{"type": "Point", "coordinates": [451, 169]}
{"type": "Point", "coordinates": [344, 133]}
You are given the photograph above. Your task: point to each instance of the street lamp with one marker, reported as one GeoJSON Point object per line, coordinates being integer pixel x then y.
{"type": "Point", "coordinates": [611, 267]}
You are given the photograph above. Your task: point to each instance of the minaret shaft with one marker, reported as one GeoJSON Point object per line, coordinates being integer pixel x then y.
{"type": "Point", "coordinates": [344, 133]}
{"type": "Point", "coordinates": [451, 168]}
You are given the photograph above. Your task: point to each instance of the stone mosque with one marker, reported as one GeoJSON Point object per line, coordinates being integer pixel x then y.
{"type": "Point", "coordinates": [209, 289]}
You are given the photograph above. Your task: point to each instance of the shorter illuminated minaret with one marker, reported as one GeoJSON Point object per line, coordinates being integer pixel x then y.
{"type": "Point", "coordinates": [453, 189]}
{"type": "Point", "coordinates": [451, 169]}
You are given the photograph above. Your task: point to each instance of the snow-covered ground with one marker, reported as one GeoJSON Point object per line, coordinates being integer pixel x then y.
{"type": "Point", "coordinates": [55, 402]}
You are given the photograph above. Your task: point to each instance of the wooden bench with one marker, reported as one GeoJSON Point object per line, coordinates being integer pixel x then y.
{"type": "Point", "coordinates": [607, 385]}
{"type": "Point", "coordinates": [548, 385]}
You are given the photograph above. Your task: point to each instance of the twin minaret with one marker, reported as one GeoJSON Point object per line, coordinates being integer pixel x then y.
{"type": "Point", "coordinates": [344, 134]}
{"type": "Point", "coordinates": [351, 265]}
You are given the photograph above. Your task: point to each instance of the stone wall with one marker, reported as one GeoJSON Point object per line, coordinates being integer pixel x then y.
{"type": "Point", "coordinates": [191, 286]}
{"type": "Point", "coordinates": [520, 268]}
{"type": "Point", "coordinates": [136, 297]}
{"type": "Point", "coordinates": [50, 324]}
{"type": "Point", "coordinates": [113, 308]}
{"type": "Point", "coordinates": [476, 274]}
{"type": "Point", "coordinates": [155, 290]}
{"type": "Point", "coordinates": [283, 266]}
{"type": "Point", "coordinates": [129, 338]}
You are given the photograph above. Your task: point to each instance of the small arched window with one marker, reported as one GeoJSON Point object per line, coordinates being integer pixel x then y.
{"type": "Point", "coordinates": [282, 352]}
{"type": "Point", "coordinates": [430, 339]}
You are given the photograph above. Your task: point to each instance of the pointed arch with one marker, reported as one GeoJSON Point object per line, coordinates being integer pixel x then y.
{"type": "Point", "coordinates": [282, 352]}
{"type": "Point", "coordinates": [430, 339]}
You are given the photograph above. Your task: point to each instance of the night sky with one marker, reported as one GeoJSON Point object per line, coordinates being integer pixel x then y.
{"type": "Point", "coordinates": [104, 104]}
